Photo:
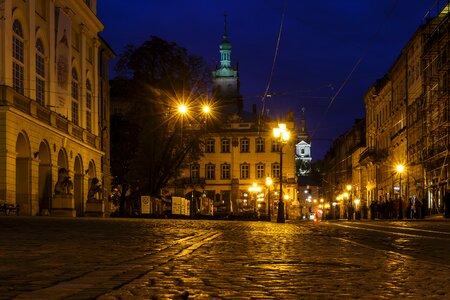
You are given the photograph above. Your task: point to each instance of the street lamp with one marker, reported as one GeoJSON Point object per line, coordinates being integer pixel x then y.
{"type": "Point", "coordinates": [283, 135]}
{"type": "Point", "coordinates": [400, 169]}
{"type": "Point", "coordinates": [268, 183]}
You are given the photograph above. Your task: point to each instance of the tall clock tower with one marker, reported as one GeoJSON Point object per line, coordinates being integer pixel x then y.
{"type": "Point", "coordinates": [226, 86]}
{"type": "Point", "coordinates": [303, 148]}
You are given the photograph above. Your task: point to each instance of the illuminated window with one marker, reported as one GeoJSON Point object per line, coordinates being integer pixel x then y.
{"type": "Point", "coordinates": [18, 57]}
{"type": "Point", "coordinates": [210, 171]}
{"type": "Point", "coordinates": [275, 170]}
{"type": "Point", "coordinates": [40, 72]}
{"type": "Point", "coordinates": [275, 146]}
{"type": "Point", "coordinates": [260, 145]}
{"type": "Point", "coordinates": [210, 146]}
{"type": "Point", "coordinates": [260, 170]}
{"type": "Point", "coordinates": [195, 171]}
{"type": "Point", "coordinates": [225, 146]}
{"type": "Point", "coordinates": [225, 171]}
{"type": "Point", "coordinates": [245, 171]}
{"type": "Point", "coordinates": [245, 145]}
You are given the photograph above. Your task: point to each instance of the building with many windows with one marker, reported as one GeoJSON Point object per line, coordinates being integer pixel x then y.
{"type": "Point", "coordinates": [404, 165]}
{"type": "Point", "coordinates": [53, 103]}
{"type": "Point", "coordinates": [239, 155]}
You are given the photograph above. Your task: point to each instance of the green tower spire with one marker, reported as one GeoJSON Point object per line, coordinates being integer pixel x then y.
{"type": "Point", "coordinates": [225, 47]}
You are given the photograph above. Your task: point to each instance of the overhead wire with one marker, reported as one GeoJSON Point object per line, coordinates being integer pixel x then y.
{"type": "Point", "coordinates": [355, 66]}
{"type": "Point", "coordinates": [277, 47]}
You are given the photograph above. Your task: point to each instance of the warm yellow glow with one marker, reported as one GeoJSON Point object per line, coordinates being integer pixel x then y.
{"type": "Point", "coordinates": [327, 205]}
{"type": "Point", "coordinates": [357, 201]}
{"type": "Point", "coordinates": [349, 187]}
{"type": "Point", "coordinates": [285, 135]}
{"type": "Point", "coordinates": [286, 197]}
{"type": "Point", "coordinates": [400, 168]}
{"type": "Point", "coordinates": [206, 109]}
{"type": "Point", "coordinates": [182, 109]}
{"type": "Point", "coordinates": [282, 132]}
{"type": "Point", "coordinates": [276, 132]}
{"type": "Point", "coordinates": [254, 188]}
{"type": "Point", "coordinates": [269, 181]}
{"type": "Point", "coordinates": [321, 200]}
{"type": "Point", "coordinates": [345, 195]}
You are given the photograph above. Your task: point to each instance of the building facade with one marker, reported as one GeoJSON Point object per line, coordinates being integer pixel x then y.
{"type": "Point", "coordinates": [404, 165]}
{"type": "Point", "coordinates": [239, 154]}
{"type": "Point", "coordinates": [53, 102]}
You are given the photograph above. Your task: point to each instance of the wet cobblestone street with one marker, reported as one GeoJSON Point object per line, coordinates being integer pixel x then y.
{"type": "Point", "coordinates": [55, 258]}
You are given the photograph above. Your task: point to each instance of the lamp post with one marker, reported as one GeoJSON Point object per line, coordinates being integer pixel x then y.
{"type": "Point", "coordinates": [282, 134]}
{"type": "Point", "coordinates": [268, 183]}
{"type": "Point", "coordinates": [400, 170]}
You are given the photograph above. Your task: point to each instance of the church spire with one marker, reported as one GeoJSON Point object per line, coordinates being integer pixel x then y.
{"type": "Point", "coordinates": [225, 47]}
{"type": "Point", "coordinates": [303, 121]}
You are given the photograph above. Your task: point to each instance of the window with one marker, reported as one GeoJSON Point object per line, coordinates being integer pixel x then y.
{"type": "Point", "coordinates": [275, 146]}
{"type": "Point", "coordinates": [225, 146]}
{"type": "Point", "coordinates": [210, 171]}
{"type": "Point", "coordinates": [75, 109]}
{"type": "Point", "coordinates": [245, 171]}
{"type": "Point", "coordinates": [88, 106]}
{"type": "Point", "coordinates": [276, 170]}
{"type": "Point", "coordinates": [195, 171]}
{"type": "Point", "coordinates": [245, 145]}
{"type": "Point", "coordinates": [40, 72]}
{"type": "Point", "coordinates": [260, 145]}
{"type": "Point", "coordinates": [302, 151]}
{"type": "Point", "coordinates": [225, 171]}
{"type": "Point", "coordinates": [260, 170]}
{"type": "Point", "coordinates": [210, 146]}
{"type": "Point", "coordinates": [18, 57]}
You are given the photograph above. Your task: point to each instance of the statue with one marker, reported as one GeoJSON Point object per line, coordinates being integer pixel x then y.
{"type": "Point", "coordinates": [64, 185]}
{"type": "Point", "coordinates": [94, 190]}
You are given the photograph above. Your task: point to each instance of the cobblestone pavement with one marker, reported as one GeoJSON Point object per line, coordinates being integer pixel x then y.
{"type": "Point", "coordinates": [59, 258]}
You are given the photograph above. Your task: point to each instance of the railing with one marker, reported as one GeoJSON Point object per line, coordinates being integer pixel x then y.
{"type": "Point", "coordinates": [10, 97]}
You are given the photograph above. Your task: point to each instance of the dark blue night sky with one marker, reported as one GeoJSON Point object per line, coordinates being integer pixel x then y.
{"type": "Point", "coordinates": [321, 42]}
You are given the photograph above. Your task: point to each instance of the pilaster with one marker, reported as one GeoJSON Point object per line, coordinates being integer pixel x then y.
{"type": "Point", "coordinates": [31, 66]}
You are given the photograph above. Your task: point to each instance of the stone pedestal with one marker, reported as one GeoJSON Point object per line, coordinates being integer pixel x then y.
{"type": "Point", "coordinates": [63, 206]}
{"type": "Point", "coordinates": [95, 209]}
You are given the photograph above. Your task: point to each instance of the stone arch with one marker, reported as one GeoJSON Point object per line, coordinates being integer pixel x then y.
{"type": "Point", "coordinates": [63, 161]}
{"type": "Point", "coordinates": [91, 170]}
{"type": "Point", "coordinates": [23, 173]}
{"type": "Point", "coordinates": [78, 186]}
{"type": "Point", "coordinates": [45, 177]}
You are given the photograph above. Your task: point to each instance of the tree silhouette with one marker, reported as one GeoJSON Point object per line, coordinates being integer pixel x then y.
{"type": "Point", "coordinates": [148, 143]}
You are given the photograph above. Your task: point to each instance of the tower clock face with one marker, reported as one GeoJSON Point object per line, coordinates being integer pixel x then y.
{"type": "Point", "coordinates": [305, 167]}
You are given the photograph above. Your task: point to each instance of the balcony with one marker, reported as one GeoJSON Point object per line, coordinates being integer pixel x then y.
{"type": "Point", "coordinates": [367, 156]}
{"type": "Point", "coordinates": [45, 115]}
{"type": "Point", "coordinates": [189, 181]}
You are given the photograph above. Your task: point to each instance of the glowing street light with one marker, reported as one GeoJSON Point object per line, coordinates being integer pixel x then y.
{"type": "Point", "coordinates": [400, 169]}
{"type": "Point", "coordinates": [206, 109]}
{"type": "Point", "coordinates": [283, 135]}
